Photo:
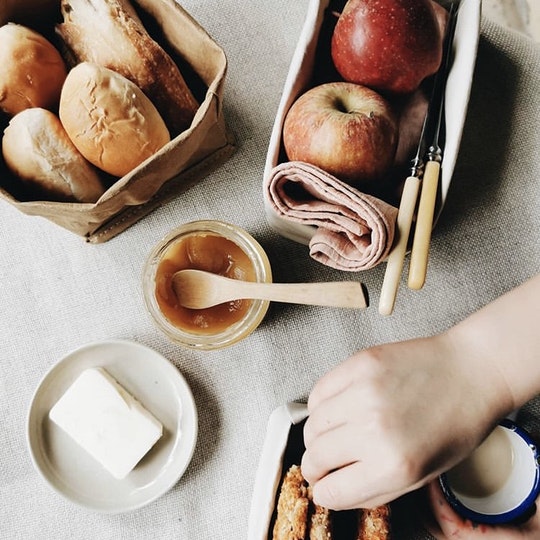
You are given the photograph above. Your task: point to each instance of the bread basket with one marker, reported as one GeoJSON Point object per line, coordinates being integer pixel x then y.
{"type": "Point", "coordinates": [179, 164]}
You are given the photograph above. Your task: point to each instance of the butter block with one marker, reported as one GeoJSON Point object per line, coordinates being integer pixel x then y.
{"type": "Point", "coordinates": [106, 421]}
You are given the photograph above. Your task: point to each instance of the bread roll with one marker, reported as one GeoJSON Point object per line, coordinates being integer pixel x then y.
{"type": "Point", "coordinates": [37, 149]}
{"type": "Point", "coordinates": [109, 119]}
{"type": "Point", "coordinates": [33, 70]}
{"type": "Point", "coordinates": [109, 33]}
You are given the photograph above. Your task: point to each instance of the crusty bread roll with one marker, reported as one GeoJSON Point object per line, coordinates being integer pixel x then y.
{"type": "Point", "coordinates": [33, 70]}
{"type": "Point", "coordinates": [109, 119]}
{"type": "Point", "coordinates": [109, 33]}
{"type": "Point", "coordinates": [37, 149]}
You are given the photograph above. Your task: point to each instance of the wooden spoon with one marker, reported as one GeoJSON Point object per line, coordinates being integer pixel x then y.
{"type": "Point", "coordinates": [197, 289]}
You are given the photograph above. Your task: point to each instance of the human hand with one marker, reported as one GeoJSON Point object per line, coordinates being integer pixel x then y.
{"type": "Point", "coordinates": [448, 524]}
{"type": "Point", "coordinates": [393, 417]}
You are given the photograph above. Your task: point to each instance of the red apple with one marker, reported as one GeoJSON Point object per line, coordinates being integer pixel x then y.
{"type": "Point", "coordinates": [388, 45]}
{"type": "Point", "coordinates": [345, 129]}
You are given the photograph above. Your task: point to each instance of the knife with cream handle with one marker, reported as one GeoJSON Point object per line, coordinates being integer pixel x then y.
{"type": "Point", "coordinates": [430, 181]}
{"type": "Point", "coordinates": [407, 205]}
{"type": "Point", "coordinates": [411, 187]}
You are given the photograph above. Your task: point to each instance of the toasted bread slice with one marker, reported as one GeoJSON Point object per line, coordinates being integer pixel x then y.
{"type": "Point", "coordinates": [374, 524]}
{"type": "Point", "coordinates": [300, 518]}
{"type": "Point", "coordinates": [292, 507]}
{"type": "Point", "coordinates": [320, 521]}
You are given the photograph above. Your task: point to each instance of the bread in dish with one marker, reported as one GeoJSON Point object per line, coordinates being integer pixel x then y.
{"type": "Point", "coordinates": [320, 521]}
{"type": "Point", "coordinates": [374, 523]}
{"type": "Point", "coordinates": [292, 507]}
{"type": "Point", "coordinates": [110, 33]}
{"type": "Point", "coordinates": [110, 120]}
{"type": "Point", "coordinates": [298, 517]}
{"type": "Point", "coordinates": [33, 70]}
{"type": "Point", "coordinates": [37, 149]}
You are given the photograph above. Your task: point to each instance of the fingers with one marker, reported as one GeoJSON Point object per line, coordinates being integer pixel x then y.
{"type": "Point", "coordinates": [349, 487]}
{"type": "Point", "coordinates": [333, 436]}
{"type": "Point", "coordinates": [344, 394]}
{"type": "Point", "coordinates": [334, 449]}
{"type": "Point", "coordinates": [330, 385]}
{"type": "Point", "coordinates": [328, 415]}
{"type": "Point", "coordinates": [353, 457]}
{"type": "Point", "coordinates": [450, 525]}
{"type": "Point", "coordinates": [345, 472]}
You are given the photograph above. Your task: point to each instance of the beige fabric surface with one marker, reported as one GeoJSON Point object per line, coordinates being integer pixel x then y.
{"type": "Point", "coordinates": [59, 293]}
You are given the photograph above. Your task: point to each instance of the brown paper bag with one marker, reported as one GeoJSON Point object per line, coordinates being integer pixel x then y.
{"type": "Point", "coordinates": [181, 163]}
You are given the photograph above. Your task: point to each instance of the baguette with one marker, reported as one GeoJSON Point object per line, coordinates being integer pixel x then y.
{"type": "Point", "coordinates": [110, 33]}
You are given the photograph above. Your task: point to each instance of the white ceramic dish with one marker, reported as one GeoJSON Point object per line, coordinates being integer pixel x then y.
{"type": "Point", "coordinates": [271, 465]}
{"type": "Point", "coordinates": [73, 473]}
{"type": "Point", "coordinates": [457, 98]}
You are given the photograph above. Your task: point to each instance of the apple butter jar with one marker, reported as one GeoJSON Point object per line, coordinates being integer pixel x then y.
{"type": "Point", "coordinates": [213, 246]}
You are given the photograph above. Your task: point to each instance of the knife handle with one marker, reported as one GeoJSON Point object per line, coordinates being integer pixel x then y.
{"type": "Point", "coordinates": [424, 226]}
{"type": "Point", "coordinates": [396, 257]}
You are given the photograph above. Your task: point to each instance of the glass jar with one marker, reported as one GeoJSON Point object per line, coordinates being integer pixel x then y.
{"type": "Point", "coordinates": [217, 247]}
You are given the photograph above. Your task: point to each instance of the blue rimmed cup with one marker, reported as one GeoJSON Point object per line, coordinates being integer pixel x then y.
{"type": "Point", "coordinates": [500, 481]}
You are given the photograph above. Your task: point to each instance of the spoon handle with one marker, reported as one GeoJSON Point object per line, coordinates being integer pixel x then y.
{"type": "Point", "coordinates": [346, 294]}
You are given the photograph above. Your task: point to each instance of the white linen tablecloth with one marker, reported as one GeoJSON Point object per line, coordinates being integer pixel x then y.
{"type": "Point", "coordinates": [58, 293]}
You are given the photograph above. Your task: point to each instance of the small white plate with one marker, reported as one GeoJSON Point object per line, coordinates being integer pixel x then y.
{"type": "Point", "coordinates": [73, 473]}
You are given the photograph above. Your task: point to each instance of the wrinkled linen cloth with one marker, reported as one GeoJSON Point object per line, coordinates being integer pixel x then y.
{"type": "Point", "coordinates": [59, 293]}
{"type": "Point", "coordinates": [354, 230]}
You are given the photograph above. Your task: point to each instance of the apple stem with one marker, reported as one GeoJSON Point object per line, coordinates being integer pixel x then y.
{"type": "Point", "coordinates": [335, 14]}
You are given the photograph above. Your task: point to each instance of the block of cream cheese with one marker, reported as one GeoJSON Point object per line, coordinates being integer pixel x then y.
{"type": "Point", "coordinates": [106, 421]}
